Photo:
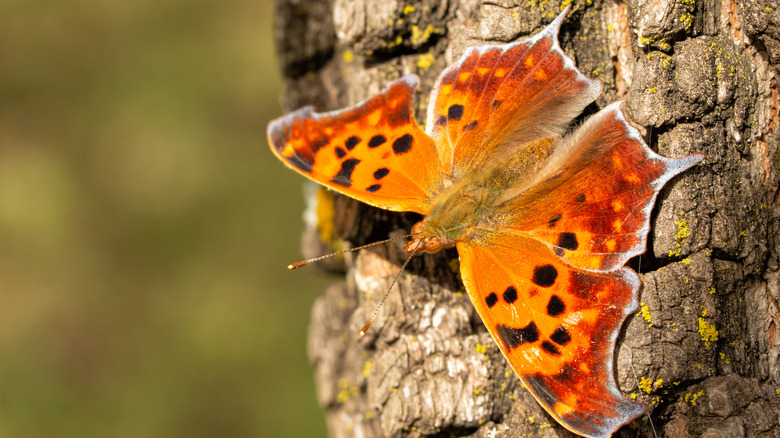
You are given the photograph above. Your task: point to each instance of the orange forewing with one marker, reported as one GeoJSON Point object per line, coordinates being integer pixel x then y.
{"type": "Point", "coordinates": [496, 99]}
{"type": "Point", "coordinates": [374, 152]}
{"type": "Point", "coordinates": [556, 325]}
{"type": "Point", "coordinates": [595, 214]}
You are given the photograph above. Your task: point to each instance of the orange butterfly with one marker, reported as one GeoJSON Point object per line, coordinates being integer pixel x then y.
{"type": "Point", "coordinates": [542, 223]}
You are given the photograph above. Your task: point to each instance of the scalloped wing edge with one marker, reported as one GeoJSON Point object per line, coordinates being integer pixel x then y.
{"type": "Point", "coordinates": [552, 30]}
{"type": "Point", "coordinates": [630, 409]}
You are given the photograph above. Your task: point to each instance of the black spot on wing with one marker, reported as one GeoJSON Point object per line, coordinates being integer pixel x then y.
{"type": "Point", "coordinates": [403, 144]}
{"type": "Point", "coordinates": [568, 241]}
{"type": "Point", "coordinates": [491, 299]}
{"type": "Point", "coordinates": [376, 141]}
{"type": "Point", "coordinates": [561, 336]}
{"type": "Point", "coordinates": [623, 186]}
{"type": "Point", "coordinates": [555, 306]}
{"type": "Point", "coordinates": [514, 337]}
{"type": "Point", "coordinates": [440, 121]}
{"type": "Point", "coordinates": [352, 142]}
{"type": "Point", "coordinates": [510, 295]}
{"type": "Point", "coordinates": [496, 104]}
{"type": "Point", "coordinates": [544, 275]}
{"type": "Point", "coordinates": [381, 173]}
{"type": "Point", "coordinates": [553, 220]}
{"type": "Point", "coordinates": [374, 187]}
{"type": "Point", "coordinates": [340, 153]}
{"type": "Point", "coordinates": [455, 112]}
{"type": "Point", "coordinates": [580, 198]}
{"type": "Point", "coordinates": [470, 126]}
{"type": "Point", "coordinates": [550, 348]}
{"type": "Point", "coordinates": [344, 176]}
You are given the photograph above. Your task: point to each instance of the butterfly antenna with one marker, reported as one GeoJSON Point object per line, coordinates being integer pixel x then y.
{"type": "Point", "coordinates": [636, 379]}
{"type": "Point", "coordinates": [379, 306]}
{"type": "Point", "coordinates": [297, 265]}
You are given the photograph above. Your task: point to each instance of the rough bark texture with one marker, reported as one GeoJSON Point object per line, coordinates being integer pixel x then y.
{"type": "Point", "coordinates": [704, 349]}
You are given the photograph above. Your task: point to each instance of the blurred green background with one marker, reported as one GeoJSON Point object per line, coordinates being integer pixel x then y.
{"type": "Point", "coordinates": [145, 226]}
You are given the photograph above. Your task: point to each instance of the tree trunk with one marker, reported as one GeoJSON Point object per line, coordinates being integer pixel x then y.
{"type": "Point", "coordinates": [703, 351]}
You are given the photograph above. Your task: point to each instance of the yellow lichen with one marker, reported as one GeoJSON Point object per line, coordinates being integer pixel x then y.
{"type": "Point", "coordinates": [682, 228]}
{"type": "Point", "coordinates": [419, 35]}
{"type": "Point", "coordinates": [348, 56]}
{"type": "Point", "coordinates": [691, 398]}
{"type": "Point", "coordinates": [646, 385]}
{"type": "Point", "coordinates": [425, 61]}
{"type": "Point", "coordinates": [454, 265]}
{"type": "Point", "coordinates": [408, 9]}
{"type": "Point", "coordinates": [346, 391]}
{"type": "Point", "coordinates": [645, 312]}
{"type": "Point", "coordinates": [661, 44]}
{"type": "Point", "coordinates": [325, 214]}
{"type": "Point", "coordinates": [682, 233]}
{"type": "Point", "coordinates": [396, 42]}
{"type": "Point", "coordinates": [708, 332]}
{"type": "Point", "coordinates": [367, 368]}
{"type": "Point", "coordinates": [687, 19]}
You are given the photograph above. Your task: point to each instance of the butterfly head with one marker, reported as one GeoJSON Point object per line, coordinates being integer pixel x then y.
{"type": "Point", "coordinates": [426, 237]}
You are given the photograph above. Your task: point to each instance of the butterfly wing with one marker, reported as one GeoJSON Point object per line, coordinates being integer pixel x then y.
{"type": "Point", "coordinates": [496, 99]}
{"type": "Point", "coordinates": [549, 282]}
{"type": "Point", "coordinates": [592, 204]}
{"type": "Point", "coordinates": [556, 325]}
{"type": "Point", "coordinates": [374, 152]}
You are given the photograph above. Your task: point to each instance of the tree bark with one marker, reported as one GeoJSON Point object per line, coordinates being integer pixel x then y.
{"type": "Point", "coordinates": [703, 351]}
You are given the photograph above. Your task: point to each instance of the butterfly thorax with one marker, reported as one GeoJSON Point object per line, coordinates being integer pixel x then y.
{"type": "Point", "coordinates": [469, 208]}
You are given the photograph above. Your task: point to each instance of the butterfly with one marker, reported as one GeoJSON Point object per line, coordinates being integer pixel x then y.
{"type": "Point", "coordinates": [543, 220]}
